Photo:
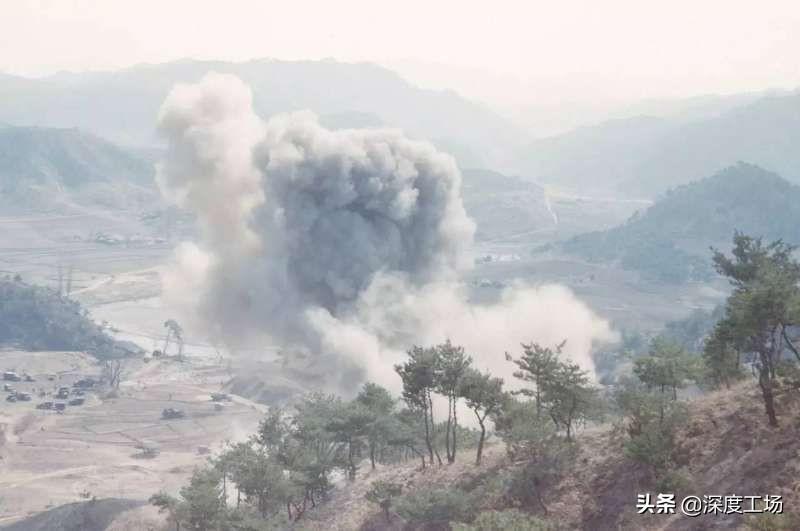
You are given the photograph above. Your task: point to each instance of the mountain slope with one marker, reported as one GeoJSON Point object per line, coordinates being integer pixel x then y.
{"type": "Point", "coordinates": [123, 105]}
{"type": "Point", "coordinates": [645, 156]}
{"type": "Point", "coordinates": [764, 132]}
{"type": "Point", "coordinates": [93, 515]}
{"type": "Point", "coordinates": [503, 205]}
{"type": "Point", "coordinates": [41, 165]}
{"type": "Point", "coordinates": [725, 448]}
{"type": "Point", "coordinates": [69, 157]}
{"type": "Point", "coordinates": [593, 158]}
{"type": "Point", "coordinates": [669, 241]}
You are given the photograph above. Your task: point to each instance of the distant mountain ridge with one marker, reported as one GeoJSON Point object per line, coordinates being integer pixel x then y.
{"type": "Point", "coordinates": [122, 105]}
{"type": "Point", "coordinates": [669, 241]}
{"type": "Point", "coordinates": [644, 156]}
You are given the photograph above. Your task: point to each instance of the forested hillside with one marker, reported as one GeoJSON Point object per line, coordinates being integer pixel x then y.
{"type": "Point", "coordinates": [669, 240]}
{"type": "Point", "coordinates": [403, 469]}
{"type": "Point", "coordinates": [39, 318]}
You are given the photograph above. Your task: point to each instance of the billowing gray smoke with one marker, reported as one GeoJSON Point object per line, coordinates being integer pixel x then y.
{"type": "Point", "coordinates": [345, 242]}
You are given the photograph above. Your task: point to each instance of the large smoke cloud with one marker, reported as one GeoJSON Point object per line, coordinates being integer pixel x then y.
{"type": "Point", "coordinates": [341, 242]}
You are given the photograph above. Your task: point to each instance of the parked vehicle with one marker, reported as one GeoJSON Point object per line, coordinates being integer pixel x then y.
{"type": "Point", "coordinates": [171, 413]}
{"type": "Point", "coordinates": [220, 397]}
{"type": "Point", "coordinates": [85, 383]}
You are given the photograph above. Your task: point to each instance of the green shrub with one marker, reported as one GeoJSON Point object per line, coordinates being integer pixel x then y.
{"type": "Point", "coordinates": [544, 469]}
{"type": "Point", "coordinates": [436, 505]}
{"type": "Point", "coordinates": [772, 522]}
{"type": "Point", "coordinates": [383, 494]}
{"type": "Point", "coordinates": [506, 520]}
{"type": "Point", "coordinates": [38, 318]}
{"type": "Point", "coordinates": [673, 481]}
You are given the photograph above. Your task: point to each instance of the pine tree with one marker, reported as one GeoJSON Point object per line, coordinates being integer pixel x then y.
{"type": "Point", "coordinates": [484, 396]}
{"type": "Point", "coordinates": [764, 305]}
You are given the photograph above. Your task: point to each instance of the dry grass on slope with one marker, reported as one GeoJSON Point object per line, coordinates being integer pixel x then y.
{"type": "Point", "coordinates": [726, 447]}
{"type": "Point", "coordinates": [348, 510]}
{"type": "Point", "coordinates": [729, 448]}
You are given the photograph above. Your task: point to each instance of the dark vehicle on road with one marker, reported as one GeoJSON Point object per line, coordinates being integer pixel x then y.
{"type": "Point", "coordinates": [85, 383]}
{"type": "Point", "coordinates": [171, 413]}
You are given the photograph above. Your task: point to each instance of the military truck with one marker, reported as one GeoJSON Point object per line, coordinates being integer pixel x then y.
{"type": "Point", "coordinates": [85, 383]}
{"type": "Point", "coordinates": [76, 401]}
{"type": "Point", "coordinates": [11, 376]}
{"type": "Point", "coordinates": [220, 397]}
{"type": "Point", "coordinates": [172, 413]}
{"type": "Point", "coordinates": [44, 405]}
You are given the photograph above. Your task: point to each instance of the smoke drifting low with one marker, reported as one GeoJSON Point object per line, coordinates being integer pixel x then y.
{"type": "Point", "coordinates": [347, 243]}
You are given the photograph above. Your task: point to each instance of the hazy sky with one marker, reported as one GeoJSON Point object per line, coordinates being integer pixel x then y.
{"type": "Point", "coordinates": [507, 52]}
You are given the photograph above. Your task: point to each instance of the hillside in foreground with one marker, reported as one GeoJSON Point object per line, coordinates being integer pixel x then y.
{"type": "Point", "coordinates": [726, 448]}
{"type": "Point", "coordinates": [669, 241]}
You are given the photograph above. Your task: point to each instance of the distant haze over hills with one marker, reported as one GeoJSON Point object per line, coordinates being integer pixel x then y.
{"type": "Point", "coordinates": [651, 146]}
{"type": "Point", "coordinates": [504, 205]}
{"type": "Point", "coordinates": [670, 240]}
{"type": "Point", "coordinates": [553, 119]}
{"type": "Point", "coordinates": [122, 105]}
{"type": "Point", "coordinates": [40, 166]}
{"type": "Point", "coordinates": [644, 156]}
